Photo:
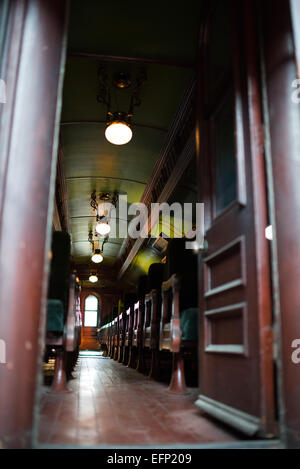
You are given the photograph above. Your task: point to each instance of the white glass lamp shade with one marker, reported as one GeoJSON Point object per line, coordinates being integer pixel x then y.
{"type": "Point", "coordinates": [97, 257]}
{"type": "Point", "coordinates": [118, 133]}
{"type": "Point", "coordinates": [103, 229]}
{"type": "Point", "coordinates": [93, 278]}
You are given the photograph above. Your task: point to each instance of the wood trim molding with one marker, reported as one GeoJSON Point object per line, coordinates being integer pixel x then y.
{"type": "Point", "coordinates": [118, 58]}
{"type": "Point", "coordinates": [260, 204]}
{"type": "Point", "coordinates": [242, 421]}
{"type": "Point", "coordinates": [56, 218]}
{"type": "Point", "coordinates": [219, 313]}
{"type": "Point", "coordinates": [242, 281]}
{"type": "Point", "coordinates": [61, 195]}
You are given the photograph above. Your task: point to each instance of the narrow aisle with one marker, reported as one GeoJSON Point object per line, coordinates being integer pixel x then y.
{"type": "Point", "coordinates": [113, 405]}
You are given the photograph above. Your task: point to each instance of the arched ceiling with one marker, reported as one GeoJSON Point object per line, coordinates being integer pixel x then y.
{"type": "Point", "coordinates": [163, 36]}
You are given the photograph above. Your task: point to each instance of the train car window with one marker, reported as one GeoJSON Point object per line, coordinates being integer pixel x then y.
{"type": "Point", "coordinates": [91, 311]}
{"type": "Point", "coordinates": [224, 152]}
{"type": "Point", "coordinates": [4, 10]}
{"type": "Point", "coordinates": [221, 109]}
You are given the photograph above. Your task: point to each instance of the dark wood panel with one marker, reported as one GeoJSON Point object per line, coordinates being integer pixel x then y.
{"type": "Point", "coordinates": [226, 329]}
{"type": "Point", "coordinates": [284, 131]}
{"type": "Point", "coordinates": [36, 63]}
{"type": "Point", "coordinates": [225, 268]}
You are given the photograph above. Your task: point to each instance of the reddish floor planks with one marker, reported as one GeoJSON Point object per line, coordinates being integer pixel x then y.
{"type": "Point", "coordinates": [113, 405]}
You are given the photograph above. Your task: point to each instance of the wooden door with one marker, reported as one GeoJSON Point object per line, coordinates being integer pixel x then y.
{"type": "Point", "coordinates": [236, 357]}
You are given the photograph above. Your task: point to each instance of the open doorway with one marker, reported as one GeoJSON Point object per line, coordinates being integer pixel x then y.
{"type": "Point", "coordinates": [91, 309]}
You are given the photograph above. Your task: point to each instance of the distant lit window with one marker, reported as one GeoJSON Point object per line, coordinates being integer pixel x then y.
{"type": "Point", "coordinates": [91, 311]}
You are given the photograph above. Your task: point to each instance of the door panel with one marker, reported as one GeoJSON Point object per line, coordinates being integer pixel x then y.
{"type": "Point", "coordinates": [232, 375]}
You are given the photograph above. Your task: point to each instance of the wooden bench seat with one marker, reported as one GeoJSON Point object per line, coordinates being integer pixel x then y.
{"type": "Point", "coordinates": [136, 356]}
{"type": "Point", "coordinates": [103, 339]}
{"type": "Point", "coordinates": [121, 335]}
{"type": "Point", "coordinates": [178, 331]}
{"type": "Point", "coordinates": [151, 334]}
{"type": "Point", "coordinates": [109, 339]}
{"type": "Point", "coordinates": [63, 327]}
{"type": "Point", "coordinates": [128, 337]}
{"type": "Point", "coordinates": [114, 338]}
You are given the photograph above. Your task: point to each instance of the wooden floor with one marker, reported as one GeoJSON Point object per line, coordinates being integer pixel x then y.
{"type": "Point", "coordinates": [113, 405]}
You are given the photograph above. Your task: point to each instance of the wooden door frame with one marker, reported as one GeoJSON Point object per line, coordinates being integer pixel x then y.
{"type": "Point", "coordinates": [282, 135]}
{"type": "Point", "coordinates": [28, 148]}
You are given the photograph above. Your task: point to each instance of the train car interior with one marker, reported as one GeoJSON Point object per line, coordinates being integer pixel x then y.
{"type": "Point", "coordinates": [149, 224]}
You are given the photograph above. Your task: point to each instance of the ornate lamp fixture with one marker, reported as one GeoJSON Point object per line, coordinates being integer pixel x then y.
{"type": "Point", "coordinates": [93, 278]}
{"type": "Point", "coordinates": [119, 123]}
{"type": "Point", "coordinates": [102, 211]}
{"type": "Point", "coordinates": [97, 256]}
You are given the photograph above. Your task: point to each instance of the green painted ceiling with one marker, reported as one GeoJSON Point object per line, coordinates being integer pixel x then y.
{"type": "Point", "coordinates": [156, 30]}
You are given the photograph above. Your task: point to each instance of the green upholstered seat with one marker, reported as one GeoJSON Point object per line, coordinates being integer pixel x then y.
{"type": "Point", "coordinates": [55, 316]}
{"type": "Point", "coordinates": [189, 324]}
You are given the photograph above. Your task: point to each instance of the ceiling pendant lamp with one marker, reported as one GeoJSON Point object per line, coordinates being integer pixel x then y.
{"type": "Point", "coordinates": [97, 256]}
{"type": "Point", "coordinates": [103, 228]}
{"type": "Point", "coordinates": [93, 277]}
{"type": "Point", "coordinates": [119, 124]}
{"type": "Point", "coordinates": [118, 131]}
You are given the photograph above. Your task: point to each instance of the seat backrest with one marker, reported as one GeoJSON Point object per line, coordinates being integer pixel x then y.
{"type": "Point", "coordinates": [59, 280]}
{"type": "Point", "coordinates": [114, 312]}
{"type": "Point", "coordinates": [128, 300]}
{"type": "Point", "coordinates": [155, 277]}
{"type": "Point", "coordinates": [142, 287]}
{"type": "Point", "coordinates": [183, 262]}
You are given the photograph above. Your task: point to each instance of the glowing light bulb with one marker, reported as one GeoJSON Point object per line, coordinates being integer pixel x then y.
{"type": "Point", "coordinates": [93, 278]}
{"type": "Point", "coordinates": [97, 258]}
{"type": "Point", "coordinates": [118, 133]}
{"type": "Point", "coordinates": [103, 228]}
